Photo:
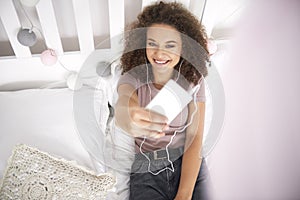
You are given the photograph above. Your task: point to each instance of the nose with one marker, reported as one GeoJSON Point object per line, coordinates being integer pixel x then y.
{"type": "Point", "coordinates": [159, 52]}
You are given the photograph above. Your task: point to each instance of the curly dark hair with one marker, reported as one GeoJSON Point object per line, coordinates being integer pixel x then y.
{"type": "Point", "coordinates": [194, 51]}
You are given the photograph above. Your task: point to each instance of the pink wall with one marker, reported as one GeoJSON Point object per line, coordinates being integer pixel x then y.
{"type": "Point", "coordinates": [258, 155]}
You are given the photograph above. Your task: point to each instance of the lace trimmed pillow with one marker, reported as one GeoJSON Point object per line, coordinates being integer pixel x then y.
{"type": "Point", "coordinates": [35, 175]}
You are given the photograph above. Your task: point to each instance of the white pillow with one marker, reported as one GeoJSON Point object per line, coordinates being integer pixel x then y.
{"type": "Point", "coordinates": [44, 118]}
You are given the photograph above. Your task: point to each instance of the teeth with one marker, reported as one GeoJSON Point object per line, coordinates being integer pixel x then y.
{"type": "Point", "coordinates": [161, 62]}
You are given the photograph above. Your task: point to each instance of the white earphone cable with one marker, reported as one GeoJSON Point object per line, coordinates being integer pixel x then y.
{"type": "Point", "coordinates": [175, 132]}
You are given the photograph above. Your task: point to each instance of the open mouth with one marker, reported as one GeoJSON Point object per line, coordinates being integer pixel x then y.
{"type": "Point", "coordinates": [161, 62]}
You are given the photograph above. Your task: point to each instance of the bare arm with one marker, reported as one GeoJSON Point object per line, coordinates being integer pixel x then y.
{"type": "Point", "coordinates": [192, 157]}
{"type": "Point", "coordinates": [135, 120]}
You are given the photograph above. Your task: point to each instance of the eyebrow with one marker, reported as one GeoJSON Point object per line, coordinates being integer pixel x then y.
{"type": "Point", "coordinates": [170, 41]}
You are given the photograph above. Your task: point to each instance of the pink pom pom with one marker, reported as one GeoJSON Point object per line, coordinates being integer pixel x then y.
{"type": "Point", "coordinates": [48, 57]}
{"type": "Point", "coordinates": [211, 46]}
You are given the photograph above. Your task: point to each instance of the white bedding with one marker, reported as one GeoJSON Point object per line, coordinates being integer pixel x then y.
{"type": "Point", "coordinates": [42, 118]}
{"type": "Point", "coordinates": [48, 119]}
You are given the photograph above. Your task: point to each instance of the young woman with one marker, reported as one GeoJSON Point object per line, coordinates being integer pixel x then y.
{"type": "Point", "coordinates": [165, 42]}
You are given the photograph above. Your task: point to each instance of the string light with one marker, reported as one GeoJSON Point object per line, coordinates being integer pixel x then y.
{"type": "Point", "coordinates": [27, 37]}
{"type": "Point", "coordinates": [48, 57]}
{"type": "Point", "coordinates": [211, 46]}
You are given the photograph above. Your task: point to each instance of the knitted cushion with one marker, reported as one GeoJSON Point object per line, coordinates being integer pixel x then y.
{"type": "Point", "coordinates": [35, 175]}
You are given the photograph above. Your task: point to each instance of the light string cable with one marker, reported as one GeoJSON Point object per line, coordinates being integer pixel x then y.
{"type": "Point", "coordinates": [61, 64]}
{"type": "Point", "coordinates": [175, 132]}
{"type": "Point", "coordinates": [203, 10]}
{"type": "Point", "coordinates": [33, 27]}
{"type": "Point", "coordinates": [31, 24]}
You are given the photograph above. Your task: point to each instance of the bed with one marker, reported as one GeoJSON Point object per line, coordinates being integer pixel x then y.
{"type": "Point", "coordinates": [77, 126]}
{"type": "Point", "coordinates": [42, 115]}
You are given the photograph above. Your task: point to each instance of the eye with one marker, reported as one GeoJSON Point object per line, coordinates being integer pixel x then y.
{"type": "Point", "coordinates": [151, 44]}
{"type": "Point", "coordinates": [168, 46]}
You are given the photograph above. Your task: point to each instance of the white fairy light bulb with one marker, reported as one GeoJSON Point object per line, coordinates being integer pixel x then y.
{"type": "Point", "coordinates": [74, 81]}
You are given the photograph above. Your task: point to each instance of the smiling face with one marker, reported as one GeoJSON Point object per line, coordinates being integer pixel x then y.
{"type": "Point", "coordinates": [163, 49]}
